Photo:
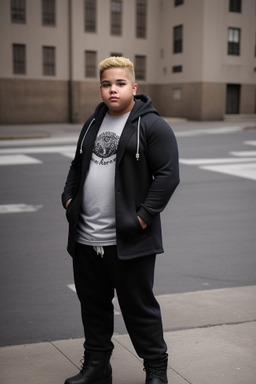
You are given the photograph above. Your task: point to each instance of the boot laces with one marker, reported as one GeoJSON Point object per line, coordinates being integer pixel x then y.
{"type": "Point", "coordinates": [157, 371]}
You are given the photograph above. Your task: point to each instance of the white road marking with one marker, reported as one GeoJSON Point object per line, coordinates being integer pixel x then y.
{"type": "Point", "coordinates": [18, 208]}
{"type": "Point", "coordinates": [244, 153]}
{"type": "Point", "coordinates": [247, 171]}
{"type": "Point", "coordinates": [116, 312]}
{"type": "Point", "coordinates": [215, 161]}
{"type": "Point", "coordinates": [244, 165]}
{"type": "Point", "coordinates": [53, 149]}
{"type": "Point", "coordinates": [16, 156]}
{"type": "Point", "coordinates": [17, 159]}
{"type": "Point", "coordinates": [209, 131]}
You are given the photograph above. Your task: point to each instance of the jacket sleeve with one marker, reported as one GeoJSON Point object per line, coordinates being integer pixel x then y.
{"type": "Point", "coordinates": [73, 177]}
{"type": "Point", "coordinates": [162, 154]}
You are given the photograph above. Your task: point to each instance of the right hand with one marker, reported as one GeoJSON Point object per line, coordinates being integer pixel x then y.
{"type": "Point", "coordinates": [67, 203]}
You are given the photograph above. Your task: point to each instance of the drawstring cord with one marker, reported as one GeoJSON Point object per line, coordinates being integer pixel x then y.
{"type": "Point", "coordinates": [138, 141]}
{"type": "Point", "coordinates": [82, 142]}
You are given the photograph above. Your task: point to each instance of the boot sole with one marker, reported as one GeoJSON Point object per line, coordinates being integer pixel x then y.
{"type": "Point", "coordinates": [108, 380]}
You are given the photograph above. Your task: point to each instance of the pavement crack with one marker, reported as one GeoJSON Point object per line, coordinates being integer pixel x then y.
{"type": "Point", "coordinates": [59, 350]}
{"type": "Point", "coordinates": [208, 326]}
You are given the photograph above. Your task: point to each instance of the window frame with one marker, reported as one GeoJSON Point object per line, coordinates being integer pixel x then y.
{"type": "Point", "coordinates": [19, 59]}
{"type": "Point", "coordinates": [49, 60]}
{"type": "Point", "coordinates": [234, 47]}
{"type": "Point", "coordinates": [235, 6]}
{"type": "Point", "coordinates": [116, 17]}
{"type": "Point", "coordinates": [90, 16]}
{"type": "Point", "coordinates": [178, 2]}
{"type": "Point", "coordinates": [141, 19]}
{"type": "Point", "coordinates": [48, 13]}
{"type": "Point", "coordinates": [18, 11]}
{"type": "Point", "coordinates": [178, 39]}
{"type": "Point", "coordinates": [90, 58]}
{"type": "Point", "coordinates": [140, 67]}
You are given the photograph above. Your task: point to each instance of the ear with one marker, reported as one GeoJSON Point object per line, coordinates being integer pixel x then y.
{"type": "Point", "coordinates": [134, 88]}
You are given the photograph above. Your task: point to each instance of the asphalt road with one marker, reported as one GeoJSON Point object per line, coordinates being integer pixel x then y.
{"type": "Point", "coordinates": [209, 229]}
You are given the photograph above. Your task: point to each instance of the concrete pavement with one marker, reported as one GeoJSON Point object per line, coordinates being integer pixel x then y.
{"type": "Point", "coordinates": [211, 337]}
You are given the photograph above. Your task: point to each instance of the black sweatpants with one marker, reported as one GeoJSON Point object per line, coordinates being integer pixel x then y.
{"type": "Point", "coordinates": [96, 278]}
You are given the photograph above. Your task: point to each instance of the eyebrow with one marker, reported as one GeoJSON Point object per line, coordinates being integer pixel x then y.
{"type": "Point", "coordinates": [108, 81]}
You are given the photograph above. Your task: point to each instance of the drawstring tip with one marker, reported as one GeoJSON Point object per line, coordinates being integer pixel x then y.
{"type": "Point", "coordinates": [137, 156]}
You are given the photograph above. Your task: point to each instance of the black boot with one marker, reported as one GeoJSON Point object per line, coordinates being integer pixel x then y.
{"type": "Point", "coordinates": [96, 369]}
{"type": "Point", "coordinates": [156, 371]}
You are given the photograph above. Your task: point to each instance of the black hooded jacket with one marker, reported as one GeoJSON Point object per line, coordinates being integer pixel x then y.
{"type": "Point", "coordinates": [146, 175]}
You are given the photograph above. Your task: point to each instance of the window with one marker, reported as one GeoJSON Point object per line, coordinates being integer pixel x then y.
{"type": "Point", "coordinates": [255, 46]}
{"type": "Point", "coordinates": [114, 54]}
{"type": "Point", "coordinates": [90, 8]}
{"type": "Point", "coordinates": [90, 63]}
{"type": "Point", "coordinates": [178, 2]}
{"type": "Point", "coordinates": [19, 59]}
{"type": "Point", "coordinates": [141, 18]}
{"type": "Point", "coordinates": [116, 17]}
{"type": "Point", "coordinates": [140, 67]}
{"type": "Point", "coordinates": [176, 94]}
{"type": "Point", "coordinates": [234, 41]}
{"type": "Point", "coordinates": [48, 12]}
{"type": "Point", "coordinates": [49, 61]}
{"type": "Point", "coordinates": [177, 68]}
{"type": "Point", "coordinates": [18, 11]}
{"type": "Point", "coordinates": [177, 39]}
{"type": "Point", "coordinates": [235, 6]}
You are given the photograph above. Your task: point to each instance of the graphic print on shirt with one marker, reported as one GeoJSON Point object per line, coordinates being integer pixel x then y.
{"type": "Point", "coordinates": [105, 146]}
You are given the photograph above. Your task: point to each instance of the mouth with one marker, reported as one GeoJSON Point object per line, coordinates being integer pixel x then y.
{"type": "Point", "coordinates": [113, 98]}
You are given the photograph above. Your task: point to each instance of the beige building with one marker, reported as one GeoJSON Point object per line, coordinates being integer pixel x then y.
{"type": "Point", "coordinates": [195, 58]}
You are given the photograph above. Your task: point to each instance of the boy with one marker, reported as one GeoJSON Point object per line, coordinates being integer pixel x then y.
{"type": "Point", "coordinates": [123, 174]}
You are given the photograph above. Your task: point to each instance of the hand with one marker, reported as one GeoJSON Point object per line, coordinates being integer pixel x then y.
{"type": "Point", "coordinates": [67, 203]}
{"type": "Point", "coordinates": [142, 222]}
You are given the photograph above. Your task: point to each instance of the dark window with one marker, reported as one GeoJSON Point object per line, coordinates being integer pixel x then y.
{"type": "Point", "coordinates": [19, 59]}
{"type": "Point", "coordinates": [48, 12]}
{"type": "Point", "coordinates": [49, 61]}
{"type": "Point", "coordinates": [90, 15]}
{"type": "Point", "coordinates": [177, 39]}
{"type": "Point", "coordinates": [115, 54]}
{"type": "Point", "coordinates": [235, 6]}
{"type": "Point", "coordinates": [116, 17]}
{"type": "Point", "coordinates": [141, 18]}
{"type": "Point", "coordinates": [177, 68]}
{"type": "Point", "coordinates": [90, 63]}
{"type": "Point", "coordinates": [140, 67]}
{"type": "Point", "coordinates": [234, 35]}
{"type": "Point", "coordinates": [178, 2]}
{"type": "Point", "coordinates": [18, 11]}
{"type": "Point", "coordinates": [232, 98]}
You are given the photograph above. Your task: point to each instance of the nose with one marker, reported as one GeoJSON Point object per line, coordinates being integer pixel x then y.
{"type": "Point", "coordinates": [113, 88]}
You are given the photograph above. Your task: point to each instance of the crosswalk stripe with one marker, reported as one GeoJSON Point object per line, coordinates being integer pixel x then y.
{"type": "Point", "coordinates": [18, 160]}
{"type": "Point", "coordinates": [18, 208]}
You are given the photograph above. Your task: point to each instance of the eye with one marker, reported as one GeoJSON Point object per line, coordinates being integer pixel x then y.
{"type": "Point", "coordinates": [121, 84]}
{"type": "Point", "coordinates": [105, 85]}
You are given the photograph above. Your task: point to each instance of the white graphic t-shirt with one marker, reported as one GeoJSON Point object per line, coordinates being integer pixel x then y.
{"type": "Point", "coordinates": [97, 218]}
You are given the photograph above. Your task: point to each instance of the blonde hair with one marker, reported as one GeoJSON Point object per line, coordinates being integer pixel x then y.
{"type": "Point", "coordinates": [118, 62]}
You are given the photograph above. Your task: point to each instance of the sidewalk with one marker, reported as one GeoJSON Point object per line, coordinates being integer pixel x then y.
{"type": "Point", "coordinates": [66, 130]}
{"type": "Point", "coordinates": [211, 336]}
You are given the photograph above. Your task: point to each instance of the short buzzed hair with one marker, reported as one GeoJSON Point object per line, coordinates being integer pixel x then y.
{"type": "Point", "coordinates": [118, 62]}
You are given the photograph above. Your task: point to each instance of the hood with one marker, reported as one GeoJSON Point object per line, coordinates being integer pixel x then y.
{"type": "Point", "coordinates": [143, 106]}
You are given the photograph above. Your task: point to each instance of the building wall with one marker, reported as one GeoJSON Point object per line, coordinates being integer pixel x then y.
{"type": "Point", "coordinates": [33, 101]}
{"type": "Point", "coordinates": [198, 92]}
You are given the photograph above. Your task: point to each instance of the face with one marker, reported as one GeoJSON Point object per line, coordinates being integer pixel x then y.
{"type": "Point", "coordinates": [117, 91]}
